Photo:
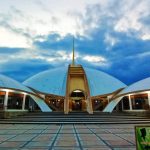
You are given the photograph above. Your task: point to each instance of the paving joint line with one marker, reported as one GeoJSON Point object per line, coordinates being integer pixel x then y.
{"type": "Point", "coordinates": [100, 138]}
{"type": "Point", "coordinates": [77, 136]}
{"type": "Point", "coordinates": [121, 137]}
{"type": "Point", "coordinates": [56, 136]}
{"type": "Point", "coordinates": [33, 137]}
{"type": "Point", "coordinates": [11, 137]}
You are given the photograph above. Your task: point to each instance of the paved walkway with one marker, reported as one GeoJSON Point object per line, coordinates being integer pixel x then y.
{"type": "Point", "coordinates": [67, 137]}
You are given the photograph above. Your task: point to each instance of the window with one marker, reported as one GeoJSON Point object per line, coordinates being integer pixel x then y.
{"type": "Point", "coordinates": [27, 102]}
{"type": "Point", "coordinates": [15, 101]}
{"type": "Point", "coordinates": [2, 97]}
{"type": "Point", "coordinates": [140, 101]}
{"type": "Point", "coordinates": [125, 101]}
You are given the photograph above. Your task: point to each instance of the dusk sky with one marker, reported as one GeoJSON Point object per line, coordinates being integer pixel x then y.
{"type": "Point", "coordinates": [110, 35]}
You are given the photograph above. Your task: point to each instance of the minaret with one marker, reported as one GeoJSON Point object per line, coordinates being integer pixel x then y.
{"type": "Point", "coordinates": [73, 60]}
{"type": "Point", "coordinates": [77, 80]}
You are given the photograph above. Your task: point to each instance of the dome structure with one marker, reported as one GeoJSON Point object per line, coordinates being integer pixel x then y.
{"type": "Point", "coordinates": [50, 82]}
{"type": "Point", "coordinates": [53, 81]}
{"type": "Point", "coordinates": [101, 83]}
{"type": "Point", "coordinates": [134, 97]}
{"type": "Point", "coordinates": [16, 94]}
{"type": "Point", "coordinates": [8, 83]}
{"type": "Point", "coordinates": [141, 85]}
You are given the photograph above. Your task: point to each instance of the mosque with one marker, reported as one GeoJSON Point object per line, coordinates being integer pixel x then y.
{"type": "Point", "coordinates": [73, 89]}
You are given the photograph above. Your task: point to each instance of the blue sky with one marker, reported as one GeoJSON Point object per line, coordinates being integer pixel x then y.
{"type": "Point", "coordinates": [110, 35]}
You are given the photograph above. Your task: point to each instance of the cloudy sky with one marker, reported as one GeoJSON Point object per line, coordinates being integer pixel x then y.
{"type": "Point", "coordinates": [110, 35]}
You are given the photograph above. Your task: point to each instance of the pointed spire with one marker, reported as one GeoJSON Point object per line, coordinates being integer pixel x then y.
{"type": "Point", "coordinates": [73, 54]}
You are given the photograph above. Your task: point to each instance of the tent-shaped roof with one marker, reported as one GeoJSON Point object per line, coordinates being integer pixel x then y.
{"type": "Point", "coordinates": [8, 83]}
{"type": "Point", "coordinates": [53, 81]}
{"type": "Point", "coordinates": [102, 83]}
{"type": "Point", "coordinates": [137, 86]}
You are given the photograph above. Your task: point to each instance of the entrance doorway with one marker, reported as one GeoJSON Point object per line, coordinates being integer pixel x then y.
{"type": "Point", "coordinates": [77, 101]}
{"type": "Point", "coordinates": [77, 105]}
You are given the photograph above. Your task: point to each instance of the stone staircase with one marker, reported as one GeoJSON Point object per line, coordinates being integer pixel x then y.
{"type": "Point", "coordinates": [77, 118]}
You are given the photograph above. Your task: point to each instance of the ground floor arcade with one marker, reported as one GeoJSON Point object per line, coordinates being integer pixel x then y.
{"type": "Point", "coordinates": [16, 100]}
{"type": "Point", "coordinates": [139, 101]}
{"type": "Point", "coordinates": [131, 102]}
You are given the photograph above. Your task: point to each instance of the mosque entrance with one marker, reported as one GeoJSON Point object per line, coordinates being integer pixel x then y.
{"type": "Point", "coordinates": [76, 105]}
{"type": "Point", "coordinates": [77, 102]}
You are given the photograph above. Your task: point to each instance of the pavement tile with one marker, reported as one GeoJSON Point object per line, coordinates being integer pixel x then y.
{"type": "Point", "coordinates": [39, 144]}
{"type": "Point", "coordinates": [128, 148]}
{"type": "Point", "coordinates": [97, 148]}
{"type": "Point", "coordinates": [3, 131]}
{"type": "Point", "coordinates": [33, 131]}
{"type": "Point", "coordinates": [92, 143]}
{"type": "Point", "coordinates": [44, 137]}
{"type": "Point", "coordinates": [5, 137]}
{"type": "Point", "coordinates": [67, 139]}
{"type": "Point", "coordinates": [15, 131]}
{"type": "Point", "coordinates": [50, 131]}
{"type": "Point", "coordinates": [22, 138]}
{"type": "Point", "coordinates": [11, 144]}
{"type": "Point", "coordinates": [99, 131]}
{"type": "Point", "coordinates": [109, 137]}
{"type": "Point", "coordinates": [33, 136]}
{"type": "Point", "coordinates": [53, 127]}
{"type": "Point", "coordinates": [87, 131]}
{"type": "Point", "coordinates": [66, 143]}
{"type": "Point", "coordinates": [67, 134]}
{"type": "Point", "coordinates": [35, 148]}
{"type": "Point", "coordinates": [128, 137]}
{"type": "Point", "coordinates": [41, 127]}
{"type": "Point", "coordinates": [66, 148]}
{"type": "Point", "coordinates": [118, 142]}
{"type": "Point", "coordinates": [66, 131]}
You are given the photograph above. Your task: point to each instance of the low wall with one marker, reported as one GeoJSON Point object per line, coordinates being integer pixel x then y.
{"type": "Point", "coordinates": [12, 113]}
{"type": "Point", "coordinates": [139, 112]}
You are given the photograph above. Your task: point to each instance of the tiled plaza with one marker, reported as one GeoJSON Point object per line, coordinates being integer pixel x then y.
{"type": "Point", "coordinates": [67, 137]}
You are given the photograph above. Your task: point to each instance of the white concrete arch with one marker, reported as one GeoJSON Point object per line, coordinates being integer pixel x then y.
{"type": "Point", "coordinates": [42, 105]}
{"type": "Point", "coordinates": [110, 107]}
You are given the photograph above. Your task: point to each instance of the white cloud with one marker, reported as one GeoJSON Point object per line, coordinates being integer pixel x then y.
{"type": "Point", "coordinates": [130, 18]}
{"type": "Point", "coordinates": [53, 16]}
{"type": "Point", "coordinates": [11, 39]}
{"type": "Point", "coordinates": [146, 36]}
{"type": "Point", "coordinates": [55, 58]}
{"type": "Point", "coordinates": [94, 59]}
{"type": "Point", "coordinates": [30, 19]}
{"type": "Point", "coordinates": [27, 20]}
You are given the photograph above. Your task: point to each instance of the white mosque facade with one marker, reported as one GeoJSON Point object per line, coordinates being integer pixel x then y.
{"type": "Point", "coordinates": [72, 89]}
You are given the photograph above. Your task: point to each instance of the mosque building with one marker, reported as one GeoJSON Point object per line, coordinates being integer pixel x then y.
{"type": "Point", "coordinates": [72, 89]}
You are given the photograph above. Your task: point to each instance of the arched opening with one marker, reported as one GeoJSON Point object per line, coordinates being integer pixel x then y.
{"type": "Point", "coordinates": [77, 93]}
{"type": "Point", "coordinates": [77, 102]}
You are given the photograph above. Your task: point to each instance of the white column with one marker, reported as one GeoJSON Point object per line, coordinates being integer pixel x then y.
{"type": "Point", "coordinates": [148, 98]}
{"type": "Point", "coordinates": [130, 104]}
{"type": "Point", "coordinates": [6, 100]}
{"type": "Point", "coordinates": [23, 103]}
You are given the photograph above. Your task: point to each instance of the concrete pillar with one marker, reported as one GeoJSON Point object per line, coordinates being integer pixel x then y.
{"type": "Point", "coordinates": [130, 104]}
{"type": "Point", "coordinates": [66, 105]}
{"type": "Point", "coordinates": [23, 103]}
{"type": "Point", "coordinates": [6, 100]}
{"type": "Point", "coordinates": [89, 105]}
{"type": "Point", "coordinates": [148, 98]}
